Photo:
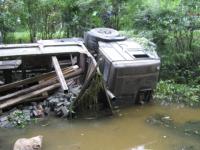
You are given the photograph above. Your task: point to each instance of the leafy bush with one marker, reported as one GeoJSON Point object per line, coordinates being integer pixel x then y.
{"type": "Point", "coordinates": [18, 119]}
{"type": "Point", "coordinates": [176, 33]}
{"type": "Point", "coordinates": [170, 92]}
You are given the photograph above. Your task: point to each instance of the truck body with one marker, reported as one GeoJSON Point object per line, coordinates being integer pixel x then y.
{"type": "Point", "coordinates": [128, 69]}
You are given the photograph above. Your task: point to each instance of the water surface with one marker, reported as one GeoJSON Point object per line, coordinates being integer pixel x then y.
{"type": "Point", "coordinates": [126, 130]}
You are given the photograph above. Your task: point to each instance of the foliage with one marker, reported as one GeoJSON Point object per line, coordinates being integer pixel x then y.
{"type": "Point", "coordinates": [79, 16]}
{"type": "Point", "coordinates": [175, 30]}
{"type": "Point", "coordinates": [189, 74]}
{"type": "Point", "coordinates": [89, 100]}
{"type": "Point", "coordinates": [9, 16]}
{"type": "Point", "coordinates": [170, 92]}
{"type": "Point", "coordinates": [18, 119]}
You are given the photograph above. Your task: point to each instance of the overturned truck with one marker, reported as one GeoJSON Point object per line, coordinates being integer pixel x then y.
{"type": "Point", "coordinates": [32, 72]}
{"type": "Point", "coordinates": [129, 69]}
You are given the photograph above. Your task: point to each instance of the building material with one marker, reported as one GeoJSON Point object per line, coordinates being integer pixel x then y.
{"type": "Point", "coordinates": [48, 82]}
{"type": "Point", "coordinates": [13, 101]}
{"type": "Point", "coordinates": [59, 74]}
{"type": "Point", "coordinates": [37, 92]}
{"type": "Point", "coordinates": [27, 81]}
{"type": "Point", "coordinates": [45, 93]}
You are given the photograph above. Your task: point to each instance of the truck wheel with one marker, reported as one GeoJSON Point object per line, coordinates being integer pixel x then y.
{"type": "Point", "coordinates": [92, 37]}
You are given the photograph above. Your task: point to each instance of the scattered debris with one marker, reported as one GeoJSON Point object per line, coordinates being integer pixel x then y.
{"type": "Point", "coordinates": [59, 104]}
{"type": "Point", "coordinates": [38, 91]}
{"type": "Point", "coordinates": [161, 120]}
{"type": "Point", "coordinates": [192, 128]}
{"type": "Point", "coordinates": [189, 128]}
{"type": "Point", "coordinates": [49, 84]}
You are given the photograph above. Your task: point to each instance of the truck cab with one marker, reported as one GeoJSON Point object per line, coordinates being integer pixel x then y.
{"type": "Point", "coordinates": [130, 71]}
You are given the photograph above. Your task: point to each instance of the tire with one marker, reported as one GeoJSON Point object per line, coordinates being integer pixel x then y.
{"type": "Point", "coordinates": [92, 37]}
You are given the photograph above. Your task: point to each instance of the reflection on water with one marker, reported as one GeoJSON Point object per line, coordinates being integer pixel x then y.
{"type": "Point", "coordinates": [127, 130]}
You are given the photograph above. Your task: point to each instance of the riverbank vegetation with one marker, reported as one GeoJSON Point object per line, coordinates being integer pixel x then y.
{"type": "Point", "coordinates": [173, 25]}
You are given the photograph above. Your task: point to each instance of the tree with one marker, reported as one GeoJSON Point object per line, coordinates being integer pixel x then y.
{"type": "Point", "coordinates": [50, 18]}
{"type": "Point", "coordinates": [31, 17]}
{"type": "Point", "coordinates": [9, 16]}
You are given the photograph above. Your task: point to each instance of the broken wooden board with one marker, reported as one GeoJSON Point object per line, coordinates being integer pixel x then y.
{"type": "Point", "coordinates": [13, 101]}
{"type": "Point", "coordinates": [59, 74]}
{"type": "Point", "coordinates": [31, 94]}
{"type": "Point", "coordinates": [45, 83]}
{"type": "Point", "coordinates": [27, 81]}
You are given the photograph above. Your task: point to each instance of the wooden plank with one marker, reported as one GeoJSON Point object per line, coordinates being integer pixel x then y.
{"type": "Point", "coordinates": [45, 93]}
{"type": "Point", "coordinates": [14, 101]}
{"type": "Point", "coordinates": [82, 61]}
{"type": "Point", "coordinates": [48, 82]}
{"type": "Point", "coordinates": [59, 74]}
{"type": "Point", "coordinates": [37, 98]}
{"type": "Point", "coordinates": [44, 76]}
{"type": "Point", "coordinates": [27, 90]}
{"type": "Point", "coordinates": [86, 84]}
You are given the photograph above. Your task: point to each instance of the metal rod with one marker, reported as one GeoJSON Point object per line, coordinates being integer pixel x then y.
{"type": "Point", "coordinates": [111, 95]}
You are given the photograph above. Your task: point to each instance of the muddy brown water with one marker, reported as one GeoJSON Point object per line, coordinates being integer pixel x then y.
{"type": "Point", "coordinates": [126, 130]}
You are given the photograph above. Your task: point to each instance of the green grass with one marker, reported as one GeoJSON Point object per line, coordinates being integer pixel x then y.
{"type": "Point", "coordinates": [18, 37]}
{"type": "Point", "coordinates": [24, 37]}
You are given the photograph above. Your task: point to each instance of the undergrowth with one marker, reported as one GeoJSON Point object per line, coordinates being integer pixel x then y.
{"type": "Point", "coordinates": [170, 92]}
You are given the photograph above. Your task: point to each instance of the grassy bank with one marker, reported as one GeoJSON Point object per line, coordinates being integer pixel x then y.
{"type": "Point", "coordinates": [168, 92]}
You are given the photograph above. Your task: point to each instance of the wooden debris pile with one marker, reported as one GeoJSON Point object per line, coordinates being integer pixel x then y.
{"type": "Point", "coordinates": [59, 92]}
{"type": "Point", "coordinates": [46, 83]}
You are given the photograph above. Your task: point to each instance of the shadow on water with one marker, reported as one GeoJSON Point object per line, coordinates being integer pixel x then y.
{"type": "Point", "coordinates": [134, 128]}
